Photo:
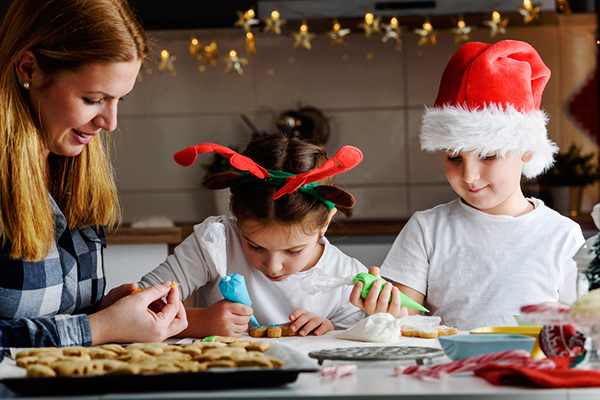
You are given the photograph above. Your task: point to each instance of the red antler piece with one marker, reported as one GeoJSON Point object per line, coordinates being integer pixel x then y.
{"type": "Point", "coordinates": [346, 158]}
{"type": "Point", "coordinates": [187, 156]}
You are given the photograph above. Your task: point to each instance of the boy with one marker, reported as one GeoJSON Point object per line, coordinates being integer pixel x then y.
{"type": "Point", "coordinates": [476, 260]}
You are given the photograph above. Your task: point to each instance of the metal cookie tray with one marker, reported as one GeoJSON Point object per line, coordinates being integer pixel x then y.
{"type": "Point", "coordinates": [385, 353]}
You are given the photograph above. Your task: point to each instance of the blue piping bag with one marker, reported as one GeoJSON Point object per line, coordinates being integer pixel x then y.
{"type": "Point", "coordinates": [233, 288]}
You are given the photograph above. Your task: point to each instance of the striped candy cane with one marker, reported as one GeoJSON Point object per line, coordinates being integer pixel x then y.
{"type": "Point", "coordinates": [520, 358]}
{"type": "Point", "coordinates": [338, 370]}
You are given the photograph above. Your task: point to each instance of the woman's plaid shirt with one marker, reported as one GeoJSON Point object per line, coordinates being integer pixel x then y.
{"type": "Point", "coordinates": [45, 303]}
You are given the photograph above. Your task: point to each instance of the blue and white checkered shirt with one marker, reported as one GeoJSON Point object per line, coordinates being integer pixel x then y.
{"type": "Point", "coordinates": [45, 303]}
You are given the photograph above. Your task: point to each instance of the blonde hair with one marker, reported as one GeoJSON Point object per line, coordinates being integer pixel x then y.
{"type": "Point", "coordinates": [64, 35]}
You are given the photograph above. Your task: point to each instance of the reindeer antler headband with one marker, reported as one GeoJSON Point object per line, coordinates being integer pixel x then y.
{"type": "Point", "coordinates": [346, 158]}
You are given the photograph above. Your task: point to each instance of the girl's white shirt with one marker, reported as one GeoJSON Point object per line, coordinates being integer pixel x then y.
{"type": "Point", "coordinates": [477, 269]}
{"type": "Point", "coordinates": [193, 266]}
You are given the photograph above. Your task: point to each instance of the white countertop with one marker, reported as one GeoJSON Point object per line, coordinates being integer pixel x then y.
{"type": "Point", "coordinates": [372, 380]}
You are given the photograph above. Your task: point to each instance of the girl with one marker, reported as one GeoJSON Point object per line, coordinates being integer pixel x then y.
{"type": "Point", "coordinates": [276, 234]}
{"type": "Point", "coordinates": [64, 66]}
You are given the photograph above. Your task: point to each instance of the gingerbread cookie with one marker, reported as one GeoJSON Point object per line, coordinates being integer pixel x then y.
{"type": "Point", "coordinates": [141, 358]}
{"type": "Point", "coordinates": [442, 330]}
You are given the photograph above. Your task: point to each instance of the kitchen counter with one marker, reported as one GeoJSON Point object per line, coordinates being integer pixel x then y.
{"type": "Point", "coordinates": [372, 380]}
{"type": "Point", "coordinates": [174, 235]}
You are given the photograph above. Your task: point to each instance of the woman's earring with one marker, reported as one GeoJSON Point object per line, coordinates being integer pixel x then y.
{"type": "Point", "coordinates": [26, 85]}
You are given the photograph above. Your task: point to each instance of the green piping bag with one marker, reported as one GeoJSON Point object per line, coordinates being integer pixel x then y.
{"type": "Point", "coordinates": [368, 280]}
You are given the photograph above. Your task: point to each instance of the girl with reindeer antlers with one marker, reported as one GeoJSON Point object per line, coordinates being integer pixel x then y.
{"type": "Point", "coordinates": [282, 201]}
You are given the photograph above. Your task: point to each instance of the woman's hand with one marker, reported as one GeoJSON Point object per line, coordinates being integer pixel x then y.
{"type": "Point", "coordinates": [305, 322]}
{"type": "Point", "coordinates": [116, 294]}
{"type": "Point", "coordinates": [378, 302]}
{"type": "Point", "coordinates": [223, 318]}
{"type": "Point", "coordinates": [142, 317]}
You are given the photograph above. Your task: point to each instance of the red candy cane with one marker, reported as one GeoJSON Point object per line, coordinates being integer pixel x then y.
{"type": "Point", "coordinates": [339, 370]}
{"type": "Point", "coordinates": [520, 358]}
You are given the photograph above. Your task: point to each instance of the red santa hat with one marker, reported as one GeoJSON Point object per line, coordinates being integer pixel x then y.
{"type": "Point", "coordinates": [489, 102]}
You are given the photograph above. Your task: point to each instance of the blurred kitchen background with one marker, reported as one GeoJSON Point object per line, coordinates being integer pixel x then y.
{"type": "Point", "coordinates": [371, 90]}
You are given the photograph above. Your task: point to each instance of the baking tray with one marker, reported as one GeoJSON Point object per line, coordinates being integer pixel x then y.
{"type": "Point", "coordinates": [213, 379]}
{"type": "Point", "coordinates": [386, 353]}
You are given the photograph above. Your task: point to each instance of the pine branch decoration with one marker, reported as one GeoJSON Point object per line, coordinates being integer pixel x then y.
{"type": "Point", "coordinates": [592, 271]}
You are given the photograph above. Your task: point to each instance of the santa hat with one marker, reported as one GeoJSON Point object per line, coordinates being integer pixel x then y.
{"type": "Point", "coordinates": [489, 102]}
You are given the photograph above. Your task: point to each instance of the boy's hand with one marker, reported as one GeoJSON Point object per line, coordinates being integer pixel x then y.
{"type": "Point", "coordinates": [305, 322]}
{"type": "Point", "coordinates": [376, 302]}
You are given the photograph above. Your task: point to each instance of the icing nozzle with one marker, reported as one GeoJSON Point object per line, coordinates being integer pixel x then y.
{"type": "Point", "coordinates": [233, 288]}
{"type": "Point", "coordinates": [368, 280]}
{"type": "Point", "coordinates": [253, 320]}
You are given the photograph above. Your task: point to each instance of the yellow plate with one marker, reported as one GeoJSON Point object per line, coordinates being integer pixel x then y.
{"type": "Point", "coordinates": [533, 331]}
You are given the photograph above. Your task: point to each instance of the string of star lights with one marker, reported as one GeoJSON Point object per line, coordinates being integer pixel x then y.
{"type": "Point", "coordinates": [274, 22]}
{"type": "Point", "coordinates": [462, 32]}
{"type": "Point", "coordinates": [303, 37]}
{"type": "Point", "coordinates": [427, 34]}
{"type": "Point", "coordinates": [234, 62]}
{"type": "Point", "coordinates": [166, 62]}
{"type": "Point", "coordinates": [370, 25]}
{"type": "Point", "coordinates": [529, 11]}
{"type": "Point", "coordinates": [250, 44]}
{"type": "Point", "coordinates": [336, 34]}
{"type": "Point", "coordinates": [393, 31]}
{"type": "Point", "coordinates": [496, 24]}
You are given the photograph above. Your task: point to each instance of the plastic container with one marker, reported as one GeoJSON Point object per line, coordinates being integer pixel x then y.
{"type": "Point", "coordinates": [532, 331]}
{"type": "Point", "coordinates": [462, 346]}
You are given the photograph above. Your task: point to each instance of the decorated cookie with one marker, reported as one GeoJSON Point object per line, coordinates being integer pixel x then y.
{"type": "Point", "coordinates": [272, 331]}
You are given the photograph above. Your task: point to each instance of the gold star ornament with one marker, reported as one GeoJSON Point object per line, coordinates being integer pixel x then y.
{"type": "Point", "coordinates": [303, 37]}
{"type": "Point", "coordinates": [274, 22]}
{"type": "Point", "coordinates": [250, 44]}
{"type": "Point", "coordinates": [427, 34]}
{"type": "Point", "coordinates": [392, 31]}
{"type": "Point", "coordinates": [234, 63]}
{"type": "Point", "coordinates": [165, 63]}
{"type": "Point", "coordinates": [529, 11]}
{"type": "Point", "coordinates": [497, 24]}
{"type": "Point", "coordinates": [211, 53]}
{"type": "Point", "coordinates": [195, 49]}
{"type": "Point", "coordinates": [336, 34]}
{"type": "Point", "coordinates": [370, 25]}
{"type": "Point", "coordinates": [246, 20]}
{"type": "Point", "coordinates": [462, 32]}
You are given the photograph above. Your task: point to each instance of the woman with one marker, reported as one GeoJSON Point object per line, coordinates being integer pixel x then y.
{"type": "Point", "coordinates": [64, 65]}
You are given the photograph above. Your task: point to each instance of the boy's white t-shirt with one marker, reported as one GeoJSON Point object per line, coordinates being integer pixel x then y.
{"type": "Point", "coordinates": [477, 269]}
{"type": "Point", "coordinates": [193, 267]}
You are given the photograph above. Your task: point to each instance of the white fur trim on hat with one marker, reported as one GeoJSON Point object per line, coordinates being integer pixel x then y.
{"type": "Point", "coordinates": [490, 130]}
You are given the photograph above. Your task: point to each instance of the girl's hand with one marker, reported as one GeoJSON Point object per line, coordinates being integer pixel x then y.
{"type": "Point", "coordinates": [378, 302]}
{"type": "Point", "coordinates": [224, 318]}
{"type": "Point", "coordinates": [306, 322]}
{"type": "Point", "coordinates": [132, 319]}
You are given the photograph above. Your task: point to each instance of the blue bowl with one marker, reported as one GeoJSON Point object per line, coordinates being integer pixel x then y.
{"type": "Point", "coordinates": [462, 346]}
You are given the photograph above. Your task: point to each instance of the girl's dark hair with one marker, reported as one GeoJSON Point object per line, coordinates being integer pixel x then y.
{"type": "Point", "coordinates": [280, 153]}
